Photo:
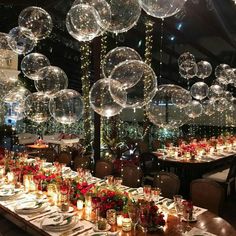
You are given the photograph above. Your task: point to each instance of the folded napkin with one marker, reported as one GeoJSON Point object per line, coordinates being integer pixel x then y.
{"type": "Point", "coordinates": [55, 219]}
{"type": "Point", "coordinates": [198, 232]}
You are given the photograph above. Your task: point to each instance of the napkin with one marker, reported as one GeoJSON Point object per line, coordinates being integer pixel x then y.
{"type": "Point", "coordinates": [198, 232]}
{"type": "Point", "coordinates": [55, 219]}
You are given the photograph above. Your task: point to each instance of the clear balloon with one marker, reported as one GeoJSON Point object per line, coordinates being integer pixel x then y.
{"type": "Point", "coordinates": [161, 9]}
{"type": "Point", "coordinates": [20, 40]}
{"type": "Point", "coordinates": [101, 99]}
{"type": "Point", "coordinates": [194, 109]}
{"type": "Point", "coordinates": [36, 107]}
{"type": "Point", "coordinates": [53, 79]}
{"type": "Point", "coordinates": [124, 15]}
{"type": "Point", "coordinates": [204, 69]}
{"type": "Point", "coordinates": [116, 56]}
{"type": "Point", "coordinates": [190, 72]}
{"type": "Point", "coordinates": [15, 111]}
{"type": "Point", "coordinates": [163, 112]}
{"type": "Point", "coordinates": [232, 106]}
{"type": "Point", "coordinates": [9, 77]}
{"type": "Point", "coordinates": [223, 83]}
{"type": "Point", "coordinates": [66, 106]}
{"type": "Point", "coordinates": [220, 70]}
{"type": "Point", "coordinates": [82, 22]}
{"type": "Point", "coordinates": [199, 90]}
{"type": "Point", "coordinates": [17, 94]}
{"type": "Point", "coordinates": [103, 9]}
{"type": "Point", "coordinates": [208, 107]}
{"type": "Point", "coordinates": [181, 97]}
{"type": "Point", "coordinates": [32, 63]}
{"type": "Point", "coordinates": [231, 76]}
{"type": "Point", "coordinates": [144, 90]}
{"type": "Point", "coordinates": [216, 90]}
{"type": "Point", "coordinates": [221, 104]}
{"type": "Point", "coordinates": [186, 61]}
{"type": "Point", "coordinates": [5, 50]}
{"type": "Point", "coordinates": [37, 20]}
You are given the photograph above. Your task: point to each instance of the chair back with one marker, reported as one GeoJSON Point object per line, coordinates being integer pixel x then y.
{"type": "Point", "coordinates": [82, 161]}
{"type": "Point", "coordinates": [149, 163]}
{"type": "Point", "coordinates": [169, 184]}
{"type": "Point", "coordinates": [207, 194]}
{"type": "Point", "coordinates": [232, 170]}
{"type": "Point", "coordinates": [132, 176]}
{"type": "Point", "coordinates": [156, 144]}
{"type": "Point", "coordinates": [50, 155]}
{"type": "Point", "coordinates": [64, 157]}
{"type": "Point", "coordinates": [103, 168]}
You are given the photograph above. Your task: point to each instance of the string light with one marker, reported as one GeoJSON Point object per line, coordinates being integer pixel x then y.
{"type": "Point", "coordinates": [85, 50]}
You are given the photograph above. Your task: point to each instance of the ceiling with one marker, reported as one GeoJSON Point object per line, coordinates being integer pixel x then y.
{"type": "Point", "coordinates": [206, 28]}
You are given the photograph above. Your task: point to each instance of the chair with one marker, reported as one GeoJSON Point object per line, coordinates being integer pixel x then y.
{"type": "Point", "coordinates": [132, 176]}
{"type": "Point", "coordinates": [103, 168]}
{"type": "Point", "coordinates": [64, 157]}
{"type": "Point", "coordinates": [169, 183]}
{"type": "Point", "coordinates": [156, 144]}
{"type": "Point", "coordinates": [149, 165]}
{"type": "Point", "coordinates": [225, 176]}
{"type": "Point", "coordinates": [50, 154]}
{"type": "Point", "coordinates": [207, 194]}
{"type": "Point", "coordinates": [82, 161]}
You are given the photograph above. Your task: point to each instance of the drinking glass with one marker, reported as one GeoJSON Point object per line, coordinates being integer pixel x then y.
{"type": "Point", "coordinates": [143, 219]}
{"type": "Point", "coordinates": [155, 194]}
{"type": "Point", "coordinates": [134, 215]}
{"type": "Point", "coordinates": [178, 200]}
{"type": "Point", "coordinates": [118, 181]}
{"type": "Point", "coordinates": [147, 192]}
{"type": "Point", "coordinates": [109, 180]}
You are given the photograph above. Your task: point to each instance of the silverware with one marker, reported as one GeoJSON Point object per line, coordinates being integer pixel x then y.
{"type": "Point", "coordinates": [38, 213]}
{"type": "Point", "coordinates": [42, 215]}
{"type": "Point", "coordinates": [83, 231]}
{"type": "Point", "coordinates": [69, 232]}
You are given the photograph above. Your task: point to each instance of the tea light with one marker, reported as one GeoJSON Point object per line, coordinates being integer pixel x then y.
{"type": "Point", "coordinates": [88, 201]}
{"type": "Point", "coordinates": [126, 224]}
{"type": "Point", "coordinates": [119, 220]}
{"type": "Point", "coordinates": [80, 204]}
{"type": "Point", "coordinates": [10, 177]}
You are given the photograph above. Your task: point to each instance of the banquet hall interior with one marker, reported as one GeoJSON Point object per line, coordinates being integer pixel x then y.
{"type": "Point", "coordinates": [118, 117]}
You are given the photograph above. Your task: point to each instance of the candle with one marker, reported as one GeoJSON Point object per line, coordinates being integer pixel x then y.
{"type": "Point", "coordinates": [88, 212]}
{"type": "Point", "coordinates": [26, 185]}
{"type": "Point", "coordinates": [10, 177]}
{"type": "Point", "coordinates": [2, 171]}
{"type": "Point", "coordinates": [119, 220]}
{"type": "Point", "coordinates": [80, 204]}
{"type": "Point", "coordinates": [126, 224]}
{"type": "Point", "coordinates": [55, 198]}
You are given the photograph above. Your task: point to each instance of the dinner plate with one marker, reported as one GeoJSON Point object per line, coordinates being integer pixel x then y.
{"type": "Point", "coordinates": [194, 219]}
{"type": "Point", "coordinates": [8, 194]}
{"type": "Point", "coordinates": [31, 206]}
{"type": "Point", "coordinates": [67, 223]}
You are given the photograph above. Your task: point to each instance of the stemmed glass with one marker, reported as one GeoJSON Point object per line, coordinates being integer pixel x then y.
{"type": "Point", "coordinates": [134, 215]}
{"type": "Point", "coordinates": [147, 192]}
{"type": "Point", "coordinates": [143, 219]}
{"type": "Point", "coordinates": [178, 200]}
{"type": "Point", "coordinates": [118, 181]}
{"type": "Point", "coordinates": [155, 194]}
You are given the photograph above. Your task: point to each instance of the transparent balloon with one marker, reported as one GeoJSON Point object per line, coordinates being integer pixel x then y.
{"type": "Point", "coordinates": [116, 56]}
{"type": "Point", "coordinates": [223, 83]}
{"type": "Point", "coordinates": [220, 70]}
{"type": "Point", "coordinates": [82, 22]}
{"type": "Point", "coordinates": [163, 112]}
{"type": "Point", "coordinates": [215, 90]}
{"type": "Point", "coordinates": [204, 69]}
{"type": "Point", "coordinates": [53, 79]}
{"type": "Point", "coordinates": [232, 106]}
{"type": "Point", "coordinates": [124, 15]}
{"type": "Point", "coordinates": [221, 104]}
{"type": "Point", "coordinates": [208, 107]}
{"type": "Point", "coordinates": [5, 50]}
{"type": "Point", "coordinates": [143, 91]}
{"type": "Point", "coordinates": [36, 107]}
{"type": "Point", "coordinates": [199, 90]}
{"type": "Point", "coordinates": [20, 40]}
{"type": "Point", "coordinates": [181, 97]}
{"type": "Point", "coordinates": [231, 76]}
{"type": "Point", "coordinates": [161, 9]}
{"type": "Point", "coordinates": [32, 63]}
{"type": "Point", "coordinates": [17, 94]}
{"type": "Point", "coordinates": [15, 111]}
{"type": "Point", "coordinates": [186, 61]}
{"type": "Point", "coordinates": [37, 20]}
{"type": "Point", "coordinates": [190, 72]}
{"type": "Point", "coordinates": [101, 99]}
{"type": "Point", "coordinates": [66, 106]}
{"type": "Point", "coordinates": [194, 109]}
{"type": "Point", "coordinates": [103, 9]}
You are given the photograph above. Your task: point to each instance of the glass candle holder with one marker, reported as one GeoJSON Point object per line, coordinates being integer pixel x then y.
{"type": "Point", "coordinates": [126, 224]}
{"type": "Point", "coordinates": [119, 220]}
{"type": "Point", "coordinates": [80, 204]}
{"type": "Point", "coordinates": [111, 216]}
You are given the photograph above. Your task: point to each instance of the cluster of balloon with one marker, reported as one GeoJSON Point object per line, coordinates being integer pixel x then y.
{"type": "Point", "coordinates": [88, 19]}
{"type": "Point", "coordinates": [34, 24]}
{"type": "Point", "coordinates": [128, 83]}
{"type": "Point", "coordinates": [194, 109]}
{"type": "Point", "coordinates": [165, 109]}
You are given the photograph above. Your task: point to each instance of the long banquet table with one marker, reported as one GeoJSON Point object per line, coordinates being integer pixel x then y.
{"type": "Point", "coordinates": [205, 220]}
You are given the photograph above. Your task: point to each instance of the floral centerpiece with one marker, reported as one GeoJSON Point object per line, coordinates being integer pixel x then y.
{"type": "Point", "coordinates": [44, 179]}
{"type": "Point", "coordinates": [150, 217]}
{"type": "Point", "coordinates": [111, 199]}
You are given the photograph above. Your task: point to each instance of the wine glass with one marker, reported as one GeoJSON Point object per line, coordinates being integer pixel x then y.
{"type": "Point", "coordinates": [155, 194]}
{"type": "Point", "coordinates": [143, 219]}
{"type": "Point", "coordinates": [147, 192]}
{"type": "Point", "coordinates": [178, 200]}
{"type": "Point", "coordinates": [118, 181]}
{"type": "Point", "coordinates": [134, 215]}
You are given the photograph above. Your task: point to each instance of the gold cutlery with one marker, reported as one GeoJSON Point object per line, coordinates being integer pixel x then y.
{"type": "Point", "coordinates": [83, 231]}
{"type": "Point", "coordinates": [69, 232]}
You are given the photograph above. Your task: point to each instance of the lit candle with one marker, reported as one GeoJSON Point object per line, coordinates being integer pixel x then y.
{"type": "Point", "coordinates": [55, 198]}
{"type": "Point", "coordinates": [126, 224]}
{"type": "Point", "coordinates": [80, 204]}
{"type": "Point", "coordinates": [26, 184]}
{"type": "Point", "coordinates": [2, 172]}
{"type": "Point", "coordinates": [10, 177]}
{"type": "Point", "coordinates": [88, 212]}
{"type": "Point", "coordinates": [119, 220]}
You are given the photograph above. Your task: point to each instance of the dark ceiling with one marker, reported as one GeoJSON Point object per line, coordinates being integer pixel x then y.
{"type": "Point", "coordinates": [205, 28]}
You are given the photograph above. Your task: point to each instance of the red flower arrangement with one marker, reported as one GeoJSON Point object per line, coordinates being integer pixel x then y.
{"type": "Point", "coordinates": [150, 217]}
{"type": "Point", "coordinates": [111, 199]}
{"type": "Point", "coordinates": [29, 170]}
{"type": "Point", "coordinates": [44, 180]}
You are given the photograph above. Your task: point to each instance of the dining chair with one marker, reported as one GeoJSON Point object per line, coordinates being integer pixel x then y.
{"type": "Point", "coordinates": [64, 157]}
{"type": "Point", "coordinates": [50, 154]}
{"type": "Point", "coordinates": [207, 194]}
{"type": "Point", "coordinates": [225, 177]}
{"type": "Point", "coordinates": [103, 168]}
{"type": "Point", "coordinates": [132, 176]}
{"type": "Point", "coordinates": [82, 161]}
{"type": "Point", "coordinates": [156, 144]}
{"type": "Point", "coordinates": [168, 182]}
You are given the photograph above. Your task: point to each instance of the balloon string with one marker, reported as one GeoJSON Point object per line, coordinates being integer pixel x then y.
{"type": "Point", "coordinates": [161, 46]}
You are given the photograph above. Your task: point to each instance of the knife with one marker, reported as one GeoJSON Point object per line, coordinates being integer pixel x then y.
{"type": "Point", "coordinates": [83, 231]}
{"type": "Point", "coordinates": [69, 232]}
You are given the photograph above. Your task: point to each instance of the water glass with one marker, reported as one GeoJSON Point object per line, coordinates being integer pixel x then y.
{"type": "Point", "coordinates": [147, 192]}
